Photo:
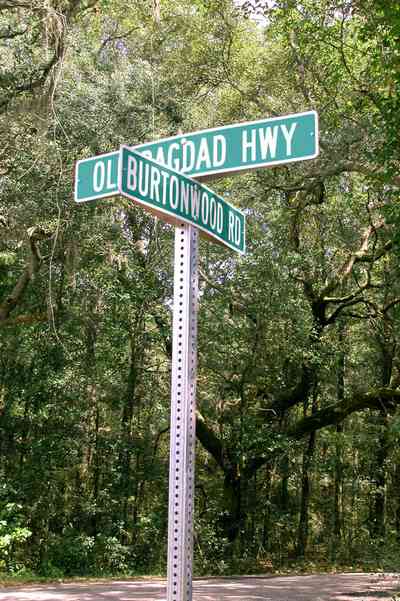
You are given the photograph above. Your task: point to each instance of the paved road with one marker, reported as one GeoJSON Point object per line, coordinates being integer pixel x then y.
{"type": "Point", "coordinates": [326, 587]}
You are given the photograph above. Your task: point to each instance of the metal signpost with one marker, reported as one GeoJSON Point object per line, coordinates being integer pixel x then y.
{"type": "Point", "coordinates": [156, 176]}
{"type": "Point", "coordinates": [183, 416]}
{"type": "Point", "coordinates": [186, 203]}
{"type": "Point", "coordinates": [212, 152]}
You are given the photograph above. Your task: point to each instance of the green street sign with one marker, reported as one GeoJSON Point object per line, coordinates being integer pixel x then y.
{"type": "Point", "coordinates": [96, 177]}
{"type": "Point", "coordinates": [177, 198]}
{"type": "Point", "coordinates": [213, 152]}
{"type": "Point", "coordinates": [239, 147]}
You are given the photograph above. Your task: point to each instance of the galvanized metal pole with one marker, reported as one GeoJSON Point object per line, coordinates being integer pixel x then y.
{"type": "Point", "coordinates": [183, 415]}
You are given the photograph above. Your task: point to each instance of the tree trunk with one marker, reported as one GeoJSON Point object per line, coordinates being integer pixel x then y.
{"type": "Point", "coordinates": [396, 480]}
{"type": "Point", "coordinates": [303, 530]}
{"type": "Point", "coordinates": [376, 519]}
{"type": "Point", "coordinates": [232, 519]}
{"type": "Point", "coordinates": [337, 500]}
{"type": "Point", "coordinates": [284, 493]}
{"type": "Point", "coordinates": [128, 487]}
{"type": "Point", "coordinates": [266, 539]}
{"type": "Point", "coordinates": [308, 454]}
{"type": "Point", "coordinates": [96, 469]}
{"type": "Point", "coordinates": [126, 440]}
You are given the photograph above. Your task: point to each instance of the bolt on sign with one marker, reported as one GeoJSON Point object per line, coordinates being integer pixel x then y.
{"type": "Point", "coordinates": [215, 152]}
{"type": "Point", "coordinates": [177, 198]}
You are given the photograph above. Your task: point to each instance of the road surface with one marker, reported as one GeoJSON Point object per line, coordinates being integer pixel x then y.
{"type": "Point", "coordinates": [326, 587]}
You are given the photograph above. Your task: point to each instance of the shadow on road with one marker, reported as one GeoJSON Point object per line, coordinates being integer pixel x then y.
{"type": "Point", "coordinates": [326, 587]}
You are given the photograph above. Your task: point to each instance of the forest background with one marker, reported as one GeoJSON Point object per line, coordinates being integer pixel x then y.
{"type": "Point", "coordinates": [299, 368]}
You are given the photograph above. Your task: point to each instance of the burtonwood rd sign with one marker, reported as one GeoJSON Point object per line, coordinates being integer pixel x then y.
{"type": "Point", "coordinates": [211, 152]}
{"type": "Point", "coordinates": [177, 198]}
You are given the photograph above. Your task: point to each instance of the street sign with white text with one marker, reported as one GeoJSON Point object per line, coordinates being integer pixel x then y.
{"type": "Point", "coordinates": [156, 176]}
{"type": "Point", "coordinates": [238, 147]}
{"type": "Point", "coordinates": [177, 198]}
{"type": "Point", "coordinates": [213, 152]}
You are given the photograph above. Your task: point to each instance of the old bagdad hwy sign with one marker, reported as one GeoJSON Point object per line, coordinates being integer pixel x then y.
{"type": "Point", "coordinates": [214, 152]}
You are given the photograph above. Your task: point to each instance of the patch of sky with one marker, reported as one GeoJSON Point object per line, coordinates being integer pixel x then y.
{"type": "Point", "coordinates": [256, 9]}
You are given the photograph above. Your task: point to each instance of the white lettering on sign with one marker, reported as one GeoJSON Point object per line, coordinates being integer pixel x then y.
{"type": "Point", "coordinates": [195, 197]}
{"type": "Point", "coordinates": [174, 192]}
{"type": "Point", "coordinates": [131, 174]}
{"type": "Point", "coordinates": [160, 158]}
{"type": "Point", "coordinates": [264, 145]}
{"type": "Point", "coordinates": [234, 228]}
{"type": "Point", "coordinates": [102, 177]}
{"type": "Point", "coordinates": [231, 224]}
{"type": "Point", "coordinates": [188, 155]}
{"type": "Point", "coordinates": [155, 184]}
{"type": "Point", "coordinates": [204, 155]}
{"type": "Point", "coordinates": [252, 145]}
{"type": "Point", "coordinates": [204, 208]}
{"type": "Point", "coordinates": [173, 162]}
{"type": "Point", "coordinates": [268, 140]}
{"type": "Point", "coordinates": [110, 184]}
{"type": "Point", "coordinates": [185, 196]}
{"type": "Point", "coordinates": [165, 177]}
{"type": "Point", "coordinates": [288, 137]}
{"type": "Point", "coordinates": [213, 213]}
{"type": "Point", "coordinates": [220, 218]}
{"type": "Point", "coordinates": [98, 177]}
{"type": "Point", "coordinates": [219, 151]}
{"type": "Point", "coordinates": [144, 169]}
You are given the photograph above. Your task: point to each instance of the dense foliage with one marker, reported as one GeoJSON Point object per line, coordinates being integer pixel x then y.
{"type": "Point", "coordinates": [299, 365]}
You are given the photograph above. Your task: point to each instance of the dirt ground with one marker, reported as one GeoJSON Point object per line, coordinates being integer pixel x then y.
{"type": "Point", "coordinates": [326, 587]}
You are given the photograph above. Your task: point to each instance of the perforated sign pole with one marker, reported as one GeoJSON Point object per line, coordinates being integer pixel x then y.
{"type": "Point", "coordinates": [183, 415]}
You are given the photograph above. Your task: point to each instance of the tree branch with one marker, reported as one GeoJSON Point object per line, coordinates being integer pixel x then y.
{"type": "Point", "coordinates": [379, 398]}
{"type": "Point", "coordinates": [347, 267]}
{"type": "Point", "coordinates": [35, 261]}
{"type": "Point", "coordinates": [236, 304]}
{"type": "Point", "coordinates": [390, 305]}
{"type": "Point", "coordinates": [210, 441]}
{"type": "Point", "coordinates": [25, 320]}
{"type": "Point", "coordinates": [13, 5]}
{"type": "Point", "coordinates": [292, 397]}
{"type": "Point", "coordinates": [113, 38]}
{"type": "Point", "coordinates": [8, 35]}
